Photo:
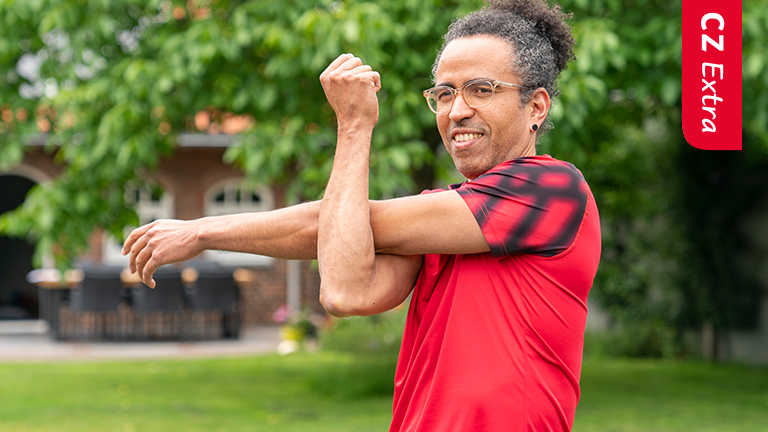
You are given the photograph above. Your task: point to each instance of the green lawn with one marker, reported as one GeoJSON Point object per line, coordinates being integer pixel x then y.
{"type": "Point", "coordinates": [659, 396]}
{"type": "Point", "coordinates": [342, 392]}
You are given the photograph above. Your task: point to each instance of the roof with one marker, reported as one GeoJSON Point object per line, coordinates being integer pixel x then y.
{"type": "Point", "coordinates": [182, 140]}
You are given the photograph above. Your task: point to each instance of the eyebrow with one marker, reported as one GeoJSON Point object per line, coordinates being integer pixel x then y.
{"type": "Point", "coordinates": [450, 84]}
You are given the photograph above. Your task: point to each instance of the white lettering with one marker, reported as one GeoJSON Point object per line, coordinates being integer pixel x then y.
{"type": "Point", "coordinates": [708, 85]}
{"type": "Point", "coordinates": [707, 124]}
{"type": "Point", "coordinates": [712, 16]}
{"type": "Point", "coordinates": [712, 66]}
{"type": "Point", "coordinates": [708, 40]}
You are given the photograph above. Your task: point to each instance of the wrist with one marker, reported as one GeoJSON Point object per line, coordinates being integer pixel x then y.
{"type": "Point", "coordinates": [355, 129]}
{"type": "Point", "coordinates": [205, 231]}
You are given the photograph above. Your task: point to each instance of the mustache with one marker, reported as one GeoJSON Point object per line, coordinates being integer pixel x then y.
{"type": "Point", "coordinates": [466, 124]}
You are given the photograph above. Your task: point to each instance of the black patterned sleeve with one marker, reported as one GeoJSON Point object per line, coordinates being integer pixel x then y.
{"type": "Point", "coordinates": [528, 205]}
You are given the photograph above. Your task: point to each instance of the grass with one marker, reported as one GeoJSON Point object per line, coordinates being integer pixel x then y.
{"type": "Point", "coordinates": [667, 396]}
{"type": "Point", "coordinates": [331, 391]}
{"type": "Point", "coordinates": [323, 392]}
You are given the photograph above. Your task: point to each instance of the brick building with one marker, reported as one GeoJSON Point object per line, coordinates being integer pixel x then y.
{"type": "Point", "coordinates": [193, 183]}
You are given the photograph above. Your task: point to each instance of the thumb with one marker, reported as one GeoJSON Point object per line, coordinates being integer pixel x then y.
{"type": "Point", "coordinates": [376, 82]}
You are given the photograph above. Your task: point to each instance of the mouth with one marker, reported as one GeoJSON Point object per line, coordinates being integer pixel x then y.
{"type": "Point", "coordinates": [465, 140]}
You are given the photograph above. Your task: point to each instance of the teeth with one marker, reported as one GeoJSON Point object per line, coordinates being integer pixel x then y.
{"type": "Point", "coordinates": [466, 137]}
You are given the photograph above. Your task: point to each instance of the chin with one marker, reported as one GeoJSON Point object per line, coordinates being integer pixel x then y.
{"type": "Point", "coordinates": [472, 166]}
{"type": "Point", "coordinates": [471, 173]}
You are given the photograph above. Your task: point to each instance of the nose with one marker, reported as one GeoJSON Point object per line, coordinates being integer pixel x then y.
{"type": "Point", "coordinates": [460, 110]}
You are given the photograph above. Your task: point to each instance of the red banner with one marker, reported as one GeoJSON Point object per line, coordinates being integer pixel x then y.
{"type": "Point", "coordinates": [712, 74]}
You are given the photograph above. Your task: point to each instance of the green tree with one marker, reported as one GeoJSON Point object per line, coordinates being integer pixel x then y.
{"type": "Point", "coordinates": [120, 79]}
{"type": "Point", "coordinates": [670, 213]}
{"type": "Point", "coordinates": [117, 81]}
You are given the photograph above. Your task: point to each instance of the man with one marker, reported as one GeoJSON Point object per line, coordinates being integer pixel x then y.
{"type": "Point", "coordinates": [499, 267]}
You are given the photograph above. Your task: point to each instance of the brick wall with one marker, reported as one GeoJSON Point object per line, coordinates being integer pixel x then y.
{"type": "Point", "coordinates": [188, 174]}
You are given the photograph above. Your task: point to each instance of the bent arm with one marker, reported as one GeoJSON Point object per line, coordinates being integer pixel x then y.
{"type": "Point", "coordinates": [414, 225]}
{"type": "Point", "coordinates": [369, 253]}
{"type": "Point", "coordinates": [355, 280]}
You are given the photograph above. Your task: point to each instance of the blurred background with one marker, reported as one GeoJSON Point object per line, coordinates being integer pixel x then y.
{"type": "Point", "coordinates": [118, 112]}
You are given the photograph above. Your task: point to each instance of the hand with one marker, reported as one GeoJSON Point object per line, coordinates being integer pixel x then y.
{"type": "Point", "coordinates": [351, 88]}
{"type": "Point", "coordinates": [161, 242]}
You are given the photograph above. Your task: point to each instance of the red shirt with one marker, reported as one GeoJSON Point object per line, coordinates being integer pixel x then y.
{"type": "Point", "coordinates": [493, 341]}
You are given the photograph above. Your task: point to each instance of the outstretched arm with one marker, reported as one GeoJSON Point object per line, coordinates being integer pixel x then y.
{"type": "Point", "coordinates": [369, 251]}
{"type": "Point", "coordinates": [289, 233]}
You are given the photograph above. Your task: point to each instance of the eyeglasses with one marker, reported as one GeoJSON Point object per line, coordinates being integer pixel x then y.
{"type": "Point", "coordinates": [476, 93]}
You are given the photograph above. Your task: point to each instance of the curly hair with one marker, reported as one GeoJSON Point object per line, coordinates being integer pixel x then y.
{"type": "Point", "coordinates": [540, 40]}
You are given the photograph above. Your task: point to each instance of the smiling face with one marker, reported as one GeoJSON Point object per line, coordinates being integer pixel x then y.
{"type": "Point", "coordinates": [478, 139]}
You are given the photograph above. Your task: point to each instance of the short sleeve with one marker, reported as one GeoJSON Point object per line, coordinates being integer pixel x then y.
{"type": "Point", "coordinates": [533, 205]}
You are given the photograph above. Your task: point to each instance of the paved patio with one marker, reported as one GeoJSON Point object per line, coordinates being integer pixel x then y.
{"type": "Point", "coordinates": [25, 341]}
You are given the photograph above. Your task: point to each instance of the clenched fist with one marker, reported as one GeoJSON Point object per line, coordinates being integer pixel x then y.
{"type": "Point", "coordinates": [351, 88]}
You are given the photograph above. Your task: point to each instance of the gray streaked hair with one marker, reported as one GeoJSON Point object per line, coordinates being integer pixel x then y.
{"type": "Point", "coordinates": [540, 41]}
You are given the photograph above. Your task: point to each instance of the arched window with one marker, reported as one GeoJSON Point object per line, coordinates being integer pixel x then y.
{"type": "Point", "coordinates": [151, 202]}
{"type": "Point", "coordinates": [237, 196]}
{"type": "Point", "coordinates": [19, 299]}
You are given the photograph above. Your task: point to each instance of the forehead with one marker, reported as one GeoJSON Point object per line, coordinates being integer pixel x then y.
{"type": "Point", "coordinates": [468, 58]}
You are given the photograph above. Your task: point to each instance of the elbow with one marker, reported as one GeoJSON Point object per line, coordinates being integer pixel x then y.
{"type": "Point", "coordinates": [345, 288]}
{"type": "Point", "coordinates": [340, 304]}
{"type": "Point", "coordinates": [334, 307]}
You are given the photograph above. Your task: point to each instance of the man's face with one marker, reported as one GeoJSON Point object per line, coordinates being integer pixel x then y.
{"type": "Point", "coordinates": [478, 139]}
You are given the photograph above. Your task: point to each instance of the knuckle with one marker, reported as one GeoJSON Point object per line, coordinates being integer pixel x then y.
{"type": "Point", "coordinates": [135, 248]}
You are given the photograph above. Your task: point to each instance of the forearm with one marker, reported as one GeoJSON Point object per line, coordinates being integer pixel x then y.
{"type": "Point", "coordinates": [353, 279]}
{"type": "Point", "coordinates": [346, 254]}
{"type": "Point", "coordinates": [285, 233]}
{"type": "Point", "coordinates": [288, 233]}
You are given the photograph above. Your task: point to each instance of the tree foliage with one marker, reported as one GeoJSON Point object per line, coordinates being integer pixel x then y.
{"type": "Point", "coordinates": [119, 80]}
{"type": "Point", "coordinates": [673, 248]}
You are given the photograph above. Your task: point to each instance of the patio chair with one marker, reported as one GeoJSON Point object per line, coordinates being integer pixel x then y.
{"type": "Point", "coordinates": [158, 310]}
{"type": "Point", "coordinates": [214, 294]}
{"type": "Point", "coordinates": [95, 302]}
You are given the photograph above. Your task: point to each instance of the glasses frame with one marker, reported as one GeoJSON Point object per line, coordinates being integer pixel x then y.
{"type": "Point", "coordinates": [428, 93]}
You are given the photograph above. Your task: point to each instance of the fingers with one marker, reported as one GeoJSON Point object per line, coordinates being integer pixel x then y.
{"type": "Point", "coordinates": [162, 242]}
{"type": "Point", "coordinates": [376, 81]}
{"type": "Point", "coordinates": [148, 269]}
{"type": "Point", "coordinates": [348, 63]}
{"type": "Point", "coordinates": [144, 261]}
{"type": "Point", "coordinates": [138, 247]}
{"type": "Point", "coordinates": [135, 243]}
{"type": "Point", "coordinates": [133, 236]}
{"type": "Point", "coordinates": [365, 72]}
{"type": "Point", "coordinates": [336, 63]}
{"type": "Point", "coordinates": [145, 265]}
{"type": "Point", "coordinates": [342, 63]}
{"type": "Point", "coordinates": [141, 259]}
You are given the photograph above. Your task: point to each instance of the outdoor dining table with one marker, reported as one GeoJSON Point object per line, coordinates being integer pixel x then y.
{"type": "Point", "coordinates": [55, 289]}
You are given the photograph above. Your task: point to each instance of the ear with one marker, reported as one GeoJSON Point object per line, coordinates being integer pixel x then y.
{"type": "Point", "coordinates": [538, 106]}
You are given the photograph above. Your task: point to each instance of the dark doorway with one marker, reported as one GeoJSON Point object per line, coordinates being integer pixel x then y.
{"type": "Point", "coordinates": [18, 298]}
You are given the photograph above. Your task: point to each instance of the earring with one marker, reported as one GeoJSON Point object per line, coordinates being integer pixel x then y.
{"type": "Point", "coordinates": [535, 127]}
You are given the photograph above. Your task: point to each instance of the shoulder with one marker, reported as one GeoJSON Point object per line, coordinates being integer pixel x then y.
{"type": "Point", "coordinates": [530, 174]}
{"type": "Point", "coordinates": [542, 165]}
{"type": "Point", "coordinates": [528, 205]}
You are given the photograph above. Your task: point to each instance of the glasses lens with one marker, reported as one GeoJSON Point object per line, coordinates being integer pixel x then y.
{"type": "Point", "coordinates": [478, 94]}
{"type": "Point", "coordinates": [440, 98]}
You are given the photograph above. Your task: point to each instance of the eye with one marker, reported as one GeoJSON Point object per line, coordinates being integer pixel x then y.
{"type": "Point", "coordinates": [481, 89]}
{"type": "Point", "coordinates": [443, 94]}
